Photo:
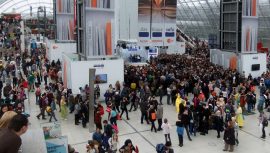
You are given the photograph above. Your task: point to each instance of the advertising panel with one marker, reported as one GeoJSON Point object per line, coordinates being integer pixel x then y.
{"type": "Point", "coordinates": [157, 22]}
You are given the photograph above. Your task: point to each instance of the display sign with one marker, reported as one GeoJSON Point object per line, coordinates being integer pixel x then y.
{"type": "Point", "coordinates": [51, 130]}
{"type": "Point", "coordinates": [157, 22]}
{"type": "Point", "coordinates": [55, 143]}
{"type": "Point", "coordinates": [152, 52]}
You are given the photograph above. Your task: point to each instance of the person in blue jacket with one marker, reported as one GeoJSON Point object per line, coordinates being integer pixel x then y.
{"type": "Point", "coordinates": [180, 132]}
{"type": "Point", "coordinates": [97, 136]}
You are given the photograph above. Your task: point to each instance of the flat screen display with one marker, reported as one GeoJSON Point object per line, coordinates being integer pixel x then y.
{"type": "Point", "coordinates": [101, 78]}
{"type": "Point", "coordinates": [255, 67]}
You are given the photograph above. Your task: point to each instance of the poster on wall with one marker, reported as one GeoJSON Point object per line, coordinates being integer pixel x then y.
{"type": "Point", "coordinates": [152, 52]}
{"type": "Point", "coordinates": [157, 22]}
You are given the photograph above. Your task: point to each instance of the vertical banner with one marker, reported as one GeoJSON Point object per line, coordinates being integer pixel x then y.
{"type": "Point", "coordinates": [144, 17]}
{"type": "Point", "coordinates": [249, 26]}
{"type": "Point", "coordinates": [170, 22]}
{"type": "Point", "coordinates": [157, 22]}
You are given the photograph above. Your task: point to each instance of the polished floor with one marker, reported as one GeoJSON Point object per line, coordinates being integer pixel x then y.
{"type": "Point", "coordinates": [141, 135]}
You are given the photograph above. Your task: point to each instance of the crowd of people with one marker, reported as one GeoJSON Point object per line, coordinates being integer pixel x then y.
{"type": "Point", "coordinates": [206, 97]}
{"type": "Point", "coordinates": [10, 33]}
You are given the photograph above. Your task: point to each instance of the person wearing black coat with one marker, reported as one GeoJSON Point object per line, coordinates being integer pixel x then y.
{"type": "Point", "coordinates": [219, 123]}
{"type": "Point", "coordinates": [124, 104]}
{"type": "Point", "coordinates": [144, 108]}
{"type": "Point", "coordinates": [185, 118]}
{"type": "Point", "coordinates": [229, 137]}
{"type": "Point", "coordinates": [117, 100]}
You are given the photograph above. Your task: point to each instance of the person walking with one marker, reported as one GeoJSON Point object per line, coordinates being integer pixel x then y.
{"type": "Point", "coordinates": [180, 132]}
{"type": "Point", "coordinates": [144, 108]}
{"type": "Point", "coordinates": [113, 142]}
{"type": "Point", "coordinates": [239, 117]}
{"type": "Point", "coordinates": [160, 93]}
{"type": "Point", "coordinates": [263, 123]}
{"type": "Point", "coordinates": [42, 106]}
{"type": "Point", "coordinates": [77, 110]}
{"type": "Point", "coordinates": [159, 116]}
{"type": "Point", "coordinates": [218, 123]}
{"type": "Point", "coordinates": [124, 104]}
{"type": "Point", "coordinates": [38, 94]}
{"type": "Point", "coordinates": [186, 121]}
{"type": "Point", "coordinates": [229, 137]}
{"type": "Point", "coordinates": [63, 106]}
{"type": "Point", "coordinates": [169, 92]}
{"type": "Point", "coordinates": [52, 114]}
{"type": "Point", "coordinates": [152, 117]}
{"type": "Point", "coordinates": [166, 127]}
{"type": "Point", "coordinates": [113, 117]}
{"type": "Point", "coordinates": [133, 98]}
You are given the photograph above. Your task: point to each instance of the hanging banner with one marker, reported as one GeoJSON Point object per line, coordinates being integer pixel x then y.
{"type": "Point", "coordinates": [157, 22]}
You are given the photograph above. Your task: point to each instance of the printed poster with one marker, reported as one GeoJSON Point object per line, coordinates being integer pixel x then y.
{"type": "Point", "coordinates": [157, 22]}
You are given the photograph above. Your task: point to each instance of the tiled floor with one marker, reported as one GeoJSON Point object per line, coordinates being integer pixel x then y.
{"type": "Point", "coordinates": [141, 135]}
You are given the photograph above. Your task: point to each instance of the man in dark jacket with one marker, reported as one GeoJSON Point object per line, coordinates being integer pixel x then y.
{"type": "Point", "coordinates": [42, 106]}
{"type": "Point", "coordinates": [124, 104]}
{"type": "Point", "coordinates": [144, 108]}
{"type": "Point", "coordinates": [229, 137]}
{"type": "Point", "coordinates": [186, 121]}
{"type": "Point", "coordinates": [117, 100]}
{"type": "Point", "coordinates": [108, 130]}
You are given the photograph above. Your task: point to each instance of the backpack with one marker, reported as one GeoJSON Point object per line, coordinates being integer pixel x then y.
{"type": "Point", "coordinates": [160, 148]}
{"type": "Point", "coordinates": [153, 116]}
{"type": "Point", "coordinates": [115, 129]}
{"type": "Point", "coordinates": [38, 92]}
{"type": "Point", "coordinates": [265, 123]}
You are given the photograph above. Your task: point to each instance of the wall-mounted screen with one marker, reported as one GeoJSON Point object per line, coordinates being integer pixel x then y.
{"type": "Point", "coordinates": [255, 67]}
{"type": "Point", "coordinates": [101, 78]}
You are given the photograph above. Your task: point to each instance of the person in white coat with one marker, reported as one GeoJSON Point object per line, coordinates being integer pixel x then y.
{"type": "Point", "coordinates": [166, 127]}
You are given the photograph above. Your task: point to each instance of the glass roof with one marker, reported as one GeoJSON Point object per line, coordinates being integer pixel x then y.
{"type": "Point", "coordinates": [23, 6]}
{"type": "Point", "coordinates": [199, 18]}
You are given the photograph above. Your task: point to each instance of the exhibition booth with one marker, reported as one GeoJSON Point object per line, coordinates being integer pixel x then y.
{"type": "Point", "coordinates": [76, 73]}
{"type": "Point", "coordinates": [253, 63]}
{"type": "Point", "coordinates": [55, 49]}
{"type": "Point", "coordinates": [238, 49]}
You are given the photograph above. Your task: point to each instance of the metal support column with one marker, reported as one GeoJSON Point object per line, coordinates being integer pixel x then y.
{"type": "Point", "coordinates": [92, 73]}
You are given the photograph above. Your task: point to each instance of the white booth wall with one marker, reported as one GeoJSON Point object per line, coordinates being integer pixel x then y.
{"type": "Point", "coordinates": [78, 73]}
{"type": "Point", "coordinates": [55, 49]}
{"type": "Point", "coordinates": [178, 48]}
{"type": "Point", "coordinates": [221, 58]}
{"type": "Point", "coordinates": [247, 60]}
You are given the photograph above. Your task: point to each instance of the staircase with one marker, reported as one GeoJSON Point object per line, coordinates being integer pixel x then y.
{"type": "Point", "coordinates": [183, 37]}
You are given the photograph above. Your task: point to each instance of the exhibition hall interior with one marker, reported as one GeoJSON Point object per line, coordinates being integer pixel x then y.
{"type": "Point", "coordinates": [134, 76]}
